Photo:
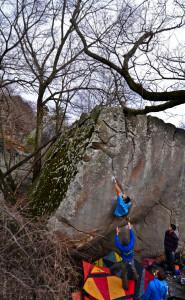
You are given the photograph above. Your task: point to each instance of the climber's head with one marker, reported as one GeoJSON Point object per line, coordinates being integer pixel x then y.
{"type": "Point", "coordinates": [160, 274]}
{"type": "Point", "coordinates": [172, 227]}
{"type": "Point", "coordinates": [125, 235]}
{"type": "Point", "coordinates": [126, 198]}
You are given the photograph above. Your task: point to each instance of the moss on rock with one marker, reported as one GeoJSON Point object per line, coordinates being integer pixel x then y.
{"type": "Point", "coordinates": [61, 165]}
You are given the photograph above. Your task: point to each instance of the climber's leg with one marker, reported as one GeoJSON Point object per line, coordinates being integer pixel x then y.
{"type": "Point", "coordinates": [124, 275]}
{"type": "Point", "coordinates": [116, 267]}
{"type": "Point", "coordinates": [134, 271]}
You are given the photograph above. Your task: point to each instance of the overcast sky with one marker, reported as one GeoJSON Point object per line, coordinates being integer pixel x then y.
{"type": "Point", "coordinates": [174, 115]}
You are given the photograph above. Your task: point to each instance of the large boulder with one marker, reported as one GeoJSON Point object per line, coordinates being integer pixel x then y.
{"type": "Point", "coordinates": [147, 155]}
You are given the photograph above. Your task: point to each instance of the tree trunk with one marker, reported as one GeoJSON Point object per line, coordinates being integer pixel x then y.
{"type": "Point", "coordinates": [38, 140]}
{"type": "Point", "coordinates": [6, 189]}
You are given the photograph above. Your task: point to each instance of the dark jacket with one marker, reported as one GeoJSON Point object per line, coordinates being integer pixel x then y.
{"type": "Point", "coordinates": [170, 241]}
{"type": "Point", "coordinates": [127, 252]}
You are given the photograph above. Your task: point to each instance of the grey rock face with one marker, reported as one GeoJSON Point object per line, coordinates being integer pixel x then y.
{"type": "Point", "coordinates": [148, 157]}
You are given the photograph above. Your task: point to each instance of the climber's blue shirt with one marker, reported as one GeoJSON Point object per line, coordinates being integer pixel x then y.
{"type": "Point", "coordinates": [156, 290]}
{"type": "Point", "coordinates": [122, 208]}
{"type": "Point", "coordinates": [127, 252]}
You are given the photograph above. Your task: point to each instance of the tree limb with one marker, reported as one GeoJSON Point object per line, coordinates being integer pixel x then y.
{"type": "Point", "coordinates": [173, 98]}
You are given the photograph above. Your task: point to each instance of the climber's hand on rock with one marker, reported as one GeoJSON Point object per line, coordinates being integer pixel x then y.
{"type": "Point", "coordinates": [113, 179]}
{"type": "Point", "coordinates": [117, 230]}
{"type": "Point", "coordinates": [129, 225]}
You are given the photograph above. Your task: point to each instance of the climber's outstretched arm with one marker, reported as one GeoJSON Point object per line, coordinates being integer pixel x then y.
{"type": "Point", "coordinates": [117, 186]}
{"type": "Point", "coordinates": [117, 189]}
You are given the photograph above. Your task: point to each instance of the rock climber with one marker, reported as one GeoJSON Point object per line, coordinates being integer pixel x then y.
{"type": "Point", "coordinates": [123, 201]}
{"type": "Point", "coordinates": [126, 250]}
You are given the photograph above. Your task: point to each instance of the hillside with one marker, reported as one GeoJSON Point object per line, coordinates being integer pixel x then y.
{"type": "Point", "coordinates": [18, 118]}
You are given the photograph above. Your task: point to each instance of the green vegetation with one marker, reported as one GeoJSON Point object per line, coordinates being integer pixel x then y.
{"type": "Point", "coordinates": [61, 165]}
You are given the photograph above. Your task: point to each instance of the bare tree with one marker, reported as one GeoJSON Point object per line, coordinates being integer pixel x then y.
{"type": "Point", "coordinates": [48, 60]}
{"type": "Point", "coordinates": [76, 54]}
{"type": "Point", "coordinates": [10, 17]}
{"type": "Point", "coordinates": [136, 45]}
{"type": "Point", "coordinates": [50, 51]}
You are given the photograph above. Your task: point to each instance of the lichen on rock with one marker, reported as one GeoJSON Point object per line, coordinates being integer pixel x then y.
{"type": "Point", "coordinates": [61, 165]}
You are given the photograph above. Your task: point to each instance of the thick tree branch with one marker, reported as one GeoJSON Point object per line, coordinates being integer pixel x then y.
{"type": "Point", "coordinates": [149, 109]}
{"type": "Point", "coordinates": [173, 98]}
{"type": "Point", "coordinates": [26, 159]}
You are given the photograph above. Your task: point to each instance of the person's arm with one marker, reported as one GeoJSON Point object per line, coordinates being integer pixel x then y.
{"type": "Point", "coordinates": [165, 238]}
{"type": "Point", "coordinates": [117, 241]}
{"type": "Point", "coordinates": [176, 240]}
{"type": "Point", "coordinates": [132, 239]}
{"type": "Point", "coordinates": [119, 185]}
{"type": "Point", "coordinates": [147, 293]}
{"type": "Point", "coordinates": [118, 244]}
{"type": "Point", "coordinates": [167, 292]}
{"type": "Point", "coordinates": [117, 188]}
